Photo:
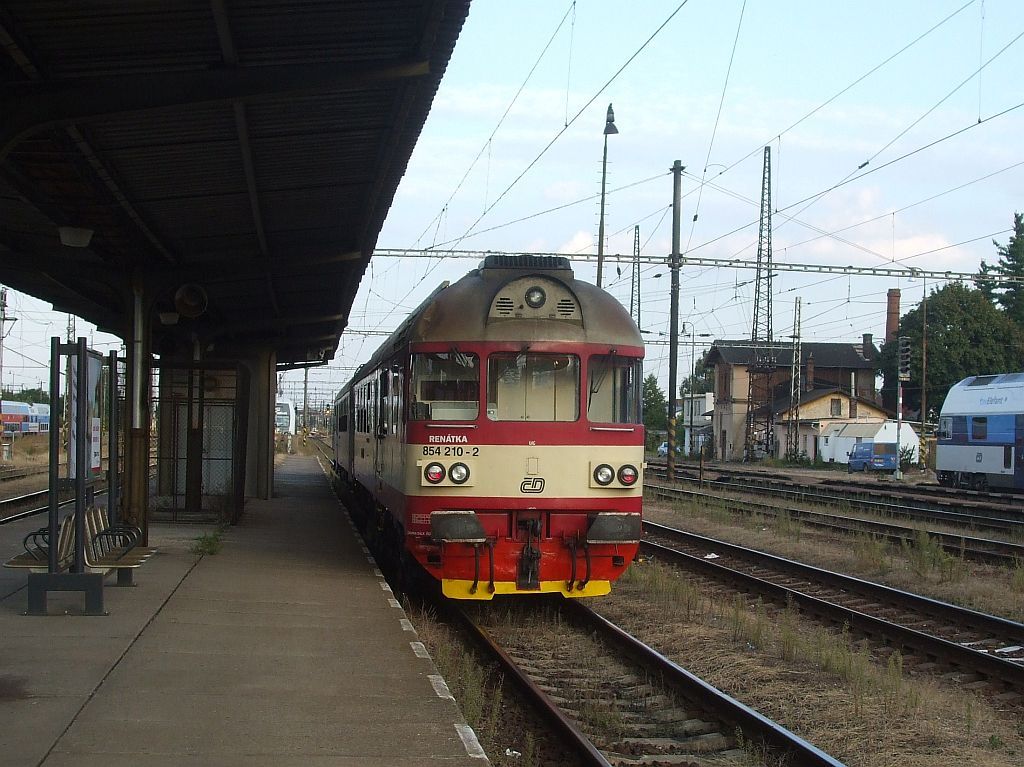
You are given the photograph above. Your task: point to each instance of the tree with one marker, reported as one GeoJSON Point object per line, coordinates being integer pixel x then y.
{"type": "Point", "coordinates": [1010, 264]}
{"type": "Point", "coordinates": [967, 335]}
{"type": "Point", "coordinates": [32, 396]}
{"type": "Point", "coordinates": [655, 406]}
{"type": "Point", "coordinates": [702, 380]}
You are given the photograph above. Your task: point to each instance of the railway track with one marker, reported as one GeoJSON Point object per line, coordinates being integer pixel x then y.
{"type": "Point", "coordinates": [978, 549]}
{"type": "Point", "coordinates": [8, 473]}
{"type": "Point", "coordinates": [618, 702]}
{"type": "Point", "coordinates": [923, 497]}
{"type": "Point", "coordinates": [971, 647]}
{"type": "Point", "coordinates": [1004, 518]}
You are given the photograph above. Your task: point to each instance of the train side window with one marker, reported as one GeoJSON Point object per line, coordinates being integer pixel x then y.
{"type": "Point", "coordinates": [945, 428]}
{"type": "Point", "coordinates": [445, 386]}
{"type": "Point", "coordinates": [1007, 456]}
{"type": "Point", "coordinates": [342, 413]}
{"type": "Point", "coordinates": [979, 427]}
{"type": "Point", "coordinates": [613, 389]}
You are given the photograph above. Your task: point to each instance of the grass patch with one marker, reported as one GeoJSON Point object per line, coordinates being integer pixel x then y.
{"type": "Point", "coordinates": [926, 556]}
{"type": "Point", "coordinates": [871, 554]}
{"type": "Point", "coordinates": [1017, 576]}
{"type": "Point", "coordinates": [208, 543]}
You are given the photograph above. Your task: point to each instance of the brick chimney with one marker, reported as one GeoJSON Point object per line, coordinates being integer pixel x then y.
{"type": "Point", "coordinates": [892, 314]}
{"type": "Point", "coordinates": [868, 348]}
{"type": "Point", "coordinates": [809, 373]}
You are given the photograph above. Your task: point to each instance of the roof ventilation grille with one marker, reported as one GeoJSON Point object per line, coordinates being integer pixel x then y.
{"type": "Point", "coordinates": [536, 263]}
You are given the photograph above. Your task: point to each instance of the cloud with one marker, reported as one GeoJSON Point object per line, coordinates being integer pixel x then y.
{"type": "Point", "coordinates": [580, 242]}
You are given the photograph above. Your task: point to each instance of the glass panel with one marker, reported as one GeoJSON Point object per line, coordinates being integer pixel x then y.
{"type": "Point", "coordinates": [533, 387]}
{"type": "Point", "coordinates": [445, 386]}
{"type": "Point", "coordinates": [613, 388]}
{"type": "Point", "coordinates": [979, 428]}
{"type": "Point", "coordinates": [982, 380]}
{"type": "Point", "coordinates": [945, 428]}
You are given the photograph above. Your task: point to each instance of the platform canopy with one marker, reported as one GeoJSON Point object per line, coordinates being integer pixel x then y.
{"type": "Point", "coordinates": [233, 160]}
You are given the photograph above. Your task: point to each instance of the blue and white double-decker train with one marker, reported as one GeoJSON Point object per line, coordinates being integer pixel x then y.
{"type": "Point", "coordinates": [981, 433]}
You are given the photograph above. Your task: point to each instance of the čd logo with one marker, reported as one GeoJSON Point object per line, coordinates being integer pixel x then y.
{"type": "Point", "coordinates": [532, 485]}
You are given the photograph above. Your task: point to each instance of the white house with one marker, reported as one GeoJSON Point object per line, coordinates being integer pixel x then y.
{"type": "Point", "coordinates": [838, 439]}
{"type": "Point", "coordinates": [693, 419]}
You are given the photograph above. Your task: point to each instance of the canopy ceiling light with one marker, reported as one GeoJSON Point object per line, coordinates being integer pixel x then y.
{"type": "Point", "coordinates": [74, 236]}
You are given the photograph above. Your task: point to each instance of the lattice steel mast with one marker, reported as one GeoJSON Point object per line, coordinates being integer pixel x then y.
{"type": "Point", "coordinates": [793, 426]}
{"type": "Point", "coordinates": [759, 437]}
{"type": "Point", "coordinates": [634, 289]}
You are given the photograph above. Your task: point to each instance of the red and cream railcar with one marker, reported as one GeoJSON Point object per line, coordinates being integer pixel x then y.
{"type": "Point", "coordinates": [497, 436]}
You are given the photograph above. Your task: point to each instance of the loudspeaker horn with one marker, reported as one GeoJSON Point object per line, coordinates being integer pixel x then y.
{"type": "Point", "coordinates": [191, 300]}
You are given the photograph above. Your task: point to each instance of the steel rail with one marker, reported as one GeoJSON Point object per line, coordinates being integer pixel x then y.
{"type": "Point", "coordinates": [588, 753]}
{"type": "Point", "coordinates": [931, 494]}
{"type": "Point", "coordinates": [755, 726]}
{"type": "Point", "coordinates": [888, 508]}
{"type": "Point", "coordinates": [980, 549]}
{"type": "Point", "coordinates": [975, 514]}
{"type": "Point", "coordinates": [991, 666]}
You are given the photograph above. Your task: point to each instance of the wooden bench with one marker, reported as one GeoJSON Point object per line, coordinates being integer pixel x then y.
{"type": "Point", "coordinates": [113, 547]}
{"type": "Point", "coordinates": [36, 557]}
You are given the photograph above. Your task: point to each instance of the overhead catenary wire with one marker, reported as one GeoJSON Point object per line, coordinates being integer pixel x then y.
{"type": "Point", "coordinates": [852, 85]}
{"type": "Point", "coordinates": [817, 237]}
{"type": "Point", "coordinates": [575, 117]}
{"type": "Point", "coordinates": [714, 129]}
{"type": "Point", "coordinates": [486, 145]}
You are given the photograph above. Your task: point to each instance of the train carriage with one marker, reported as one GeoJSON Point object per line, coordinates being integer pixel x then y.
{"type": "Point", "coordinates": [980, 440]}
{"type": "Point", "coordinates": [496, 435]}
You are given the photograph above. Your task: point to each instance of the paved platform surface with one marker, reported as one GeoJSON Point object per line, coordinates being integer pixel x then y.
{"type": "Point", "coordinates": [286, 648]}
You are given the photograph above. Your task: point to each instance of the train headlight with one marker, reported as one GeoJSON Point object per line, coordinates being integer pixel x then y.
{"type": "Point", "coordinates": [535, 297]}
{"type": "Point", "coordinates": [458, 473]}
{"type": "Point", "coordinates": [604, 474]}
{"type": "Point", "coordinates": [434, 473]}
{"type": "Point", "coordinates": [628, 475]}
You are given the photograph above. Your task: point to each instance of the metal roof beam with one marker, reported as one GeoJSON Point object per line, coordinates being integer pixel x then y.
{"type": "Point", "coordinates": [34, 106]}
{"type": "Point", "coordinates": [230, 54]}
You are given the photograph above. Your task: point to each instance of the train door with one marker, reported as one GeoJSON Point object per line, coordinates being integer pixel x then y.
{"type": "Point", "coordinates": [1018, 441]}
{"type": "Point", "coordinates": [382, 423]}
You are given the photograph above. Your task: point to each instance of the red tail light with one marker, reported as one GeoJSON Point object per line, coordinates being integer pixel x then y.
{"type": "Point", "coordinates": [628, 475]}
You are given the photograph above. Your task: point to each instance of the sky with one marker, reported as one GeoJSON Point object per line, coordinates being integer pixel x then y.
{"type": "Point", "coordinates": [510, 160]}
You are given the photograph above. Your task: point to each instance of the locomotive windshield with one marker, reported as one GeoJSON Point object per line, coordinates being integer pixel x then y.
{"type": "Point", "coordinates": [533, 387]}
{"type": "Point", "coordinates": [445, 386]}
{"type": "Point", "coordinates": [613, 389]}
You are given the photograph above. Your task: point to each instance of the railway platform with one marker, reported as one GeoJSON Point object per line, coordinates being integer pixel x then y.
{"type": "Point", "coordinates": [285, 648]}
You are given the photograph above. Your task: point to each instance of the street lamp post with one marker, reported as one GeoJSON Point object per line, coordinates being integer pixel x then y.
{"type": "Point", "coordinates": [692, 441]}
{"type": "Point", "coordinates": [609, 129]}
{"type": "Point", "coordinates": [693, 372]}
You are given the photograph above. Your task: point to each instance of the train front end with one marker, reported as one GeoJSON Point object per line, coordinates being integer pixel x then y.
{"type": "Point", "coordinates": [524, 443]}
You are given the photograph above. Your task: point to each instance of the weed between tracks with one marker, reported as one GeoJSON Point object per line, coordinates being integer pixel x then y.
{"type": "Point", "coordinates": [926, 556]}
{"type": "Point", "coordinates": [505, 730]}
{"type": "Point", "coordinates": [924, 567]}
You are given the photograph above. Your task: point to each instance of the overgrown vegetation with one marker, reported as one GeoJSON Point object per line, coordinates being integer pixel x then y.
{"type": "Point", "coordinates": [927, 556]}
{"type": "Point", "coordinates": [208, 543]}
{"type": "Point", "coordinates": [480, 693]}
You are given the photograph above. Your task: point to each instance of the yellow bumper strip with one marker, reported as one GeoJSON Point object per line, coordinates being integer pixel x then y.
{"type": "Point", "coordinates": [456, 589]}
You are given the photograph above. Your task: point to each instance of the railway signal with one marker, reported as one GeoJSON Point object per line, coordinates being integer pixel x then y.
{"type": "Point", "coordinates": [904, 359]}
